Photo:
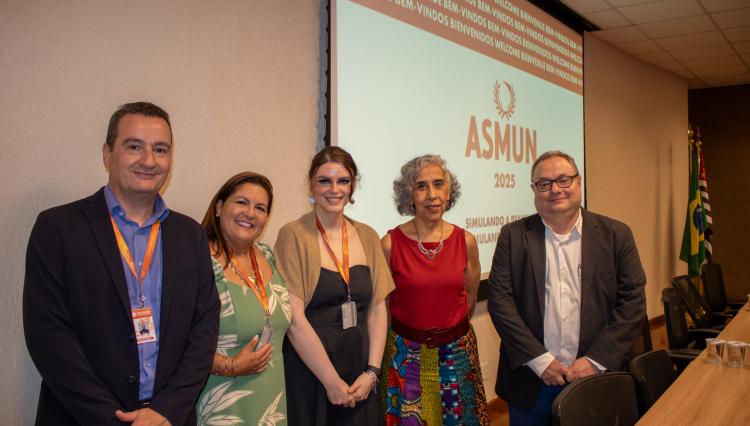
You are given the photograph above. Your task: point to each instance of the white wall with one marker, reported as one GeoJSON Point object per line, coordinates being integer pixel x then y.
{"type": "Point", "coordinates": [239, 78]}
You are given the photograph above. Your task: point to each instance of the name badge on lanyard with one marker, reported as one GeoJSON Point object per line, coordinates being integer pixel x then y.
{"type": "Point", "coordinates": [257, 284]}
{"type": "Point", "coordinates": [265, 336]}
{"type": "Point", "coordinates": [349, 314]}
{"type": "Point", "coordinates": [143, 318]}
{"type": "Point", "coordinates": [143, 322]}
{"type": "Point", "coordinates": [348, 308]}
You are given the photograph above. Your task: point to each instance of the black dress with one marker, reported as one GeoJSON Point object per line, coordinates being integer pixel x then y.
{"type": "Point", "coordinates": [348, 350]}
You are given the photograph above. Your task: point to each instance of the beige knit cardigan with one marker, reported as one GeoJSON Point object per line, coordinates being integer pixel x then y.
{"type": "Point", "coordinates": [298, 258]}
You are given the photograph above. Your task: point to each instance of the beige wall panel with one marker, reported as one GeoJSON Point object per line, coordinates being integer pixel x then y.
{"type": "Point", "coordinates": [636, 156]}
{"type": "Point", "coordinates": [239, 78]}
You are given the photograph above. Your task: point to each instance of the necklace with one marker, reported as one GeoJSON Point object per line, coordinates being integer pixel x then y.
{"type": "Point", "coordinates": [430, 253]}
{"type": "Point", "coordinates": [256, 278]}
{"type": "Point", "coordinates": [253, 278]}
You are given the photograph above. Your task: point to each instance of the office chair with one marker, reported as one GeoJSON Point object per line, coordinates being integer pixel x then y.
{"type": "Point", "coordinates": [696, 305]}
{"type": "Point", "coordinates": [601, 399]}
{"type": "Point", "coordinates": [713, 288]}
{"type": "Point", "coordinates": [684, 345]}
{"type": "Point", "coordinates": [654, 373]}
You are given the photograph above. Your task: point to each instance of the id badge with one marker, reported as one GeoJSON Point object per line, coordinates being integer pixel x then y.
{"type": "Point", "coordinates": [265, 336]}
{"type": "Point", "coordinates": [143, 323]}
{"type": "Point", "coordinates": [348, 314]}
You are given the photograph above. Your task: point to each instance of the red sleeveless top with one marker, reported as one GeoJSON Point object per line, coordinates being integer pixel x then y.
{"type": "Point", "coordinates": [430, 293]}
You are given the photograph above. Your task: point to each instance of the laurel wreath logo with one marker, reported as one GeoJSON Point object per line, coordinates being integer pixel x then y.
{"type": "Point", "coordinates": [504, 112]}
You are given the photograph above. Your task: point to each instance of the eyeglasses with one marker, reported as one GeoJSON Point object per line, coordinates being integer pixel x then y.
{"type": "Point", "coordinates": [562, 182]}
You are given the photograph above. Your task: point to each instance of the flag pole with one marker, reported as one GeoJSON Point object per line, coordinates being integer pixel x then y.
{"type": "Point", "coordinates": [690, 148]}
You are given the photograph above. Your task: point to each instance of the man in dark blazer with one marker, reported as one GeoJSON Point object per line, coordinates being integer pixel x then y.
{"type": "Point", "coordinates": [120, 310]}
{"type": "Point", "coordinates": [565, 293]}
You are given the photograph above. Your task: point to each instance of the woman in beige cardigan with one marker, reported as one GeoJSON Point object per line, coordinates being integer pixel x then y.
{"type": "Point", "coordinates": [338, 280]}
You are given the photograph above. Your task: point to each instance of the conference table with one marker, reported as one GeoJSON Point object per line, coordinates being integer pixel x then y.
{"type": "Point", "coordinates": [706, 394]}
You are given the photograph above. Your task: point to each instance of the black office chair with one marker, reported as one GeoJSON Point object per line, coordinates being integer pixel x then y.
{"type": "Point", "coordinates": [643, 341]}
{"type": "Point", "coordinates": [684, 345]}
{"type": "Point", "coordinates": [713, 287]}
{"type": "Point", "coordinates": [696, 305]}
{"type": "Point", "coordinates": [653, 373]}
{"type": "Point", "coordinates": [601, 399]}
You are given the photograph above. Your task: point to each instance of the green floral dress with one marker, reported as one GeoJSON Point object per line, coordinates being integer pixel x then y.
{"type": "Point", "coordinates": [257, 398]}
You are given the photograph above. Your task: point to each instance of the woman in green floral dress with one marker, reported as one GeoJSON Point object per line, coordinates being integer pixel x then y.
{"type": "Point", "coordinates": [247, 377]}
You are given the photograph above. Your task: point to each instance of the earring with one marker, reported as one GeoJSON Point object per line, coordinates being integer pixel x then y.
{"type": "Point", "coordinates": [311, 199]}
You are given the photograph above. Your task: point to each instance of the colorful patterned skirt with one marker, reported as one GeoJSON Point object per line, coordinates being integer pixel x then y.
{"type": "Point", "coordinates": [420, 385]}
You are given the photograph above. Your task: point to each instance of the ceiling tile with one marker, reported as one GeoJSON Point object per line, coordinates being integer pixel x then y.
{"type": "Point", "coordinates": [713, 62]}
{"type": "Point", "coordinates": [696, 84]}
{"type": "Point", "coordinates": [675, 27]}
{"type": "Point", "coordinates": [742, 46]}
{"type": "Point", "coordinates": [621, 35]}
{"type": "Point", "coordinates": [682, 73]}
{"type": "Point", "coordinates": [639, 47]}
{"type": "Point", "coordinates": [719, 5]}
{"type": "Point", "coordinates": [673, 66]}
{"type": "Point", "coordinates": [720, 71]}
{"type": "Point", "coordinates": [661, 10]}
{"type": "Point", "coordinates": [619, 3]}
{"type": "Point", "coordinates": [702, 52]}
{"type": "Point", "coordinates": [728, 80]}
{"type": "Point", "coordinates": [607, 19]}
{"type": "Point", "coordinates": [657, 57]}
{"type": "Point", "coordinates": [738, 34]}
{"type": "Point", "coordinates": [586, 6]}
{"type": "Point", "coordinates": [732, 18]}
{"type": "Point", "coordinates": [691, 40]}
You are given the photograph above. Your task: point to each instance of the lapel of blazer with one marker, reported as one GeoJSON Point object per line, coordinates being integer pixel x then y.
{"type": "Point", "coordinates": [588, 263]}
{"type": "Point", "coordinates": [537, 254]}
{"type": "Point", "coordinates": [170, 259]}
{"type": "Point", "coordinates": [95, 210]}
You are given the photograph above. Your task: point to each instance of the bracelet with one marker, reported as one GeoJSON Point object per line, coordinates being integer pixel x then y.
{"type": "Point", "coordinates": [374, 369]}
{"type": "Point", "coordinates": [233, 367]}
{"type": "Point", "coordinates": [216, 368]}
{"type": "Point", "coordinates": [226, 367]}
{"type": "Point", "coordinates": [372, 375]}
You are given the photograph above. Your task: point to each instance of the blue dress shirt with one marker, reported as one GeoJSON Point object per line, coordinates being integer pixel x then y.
{"type": "Point", "coordinates": [136, 237]}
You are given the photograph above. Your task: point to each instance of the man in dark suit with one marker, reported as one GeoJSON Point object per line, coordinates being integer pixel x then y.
{"type": "Point", "coordinates": [120, 310]}
{"type": "Point", "coordinates": [565, 293]}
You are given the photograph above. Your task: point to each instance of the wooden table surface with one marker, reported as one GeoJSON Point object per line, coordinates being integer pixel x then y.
{"type": "Point", "coordinates": [706, 394]}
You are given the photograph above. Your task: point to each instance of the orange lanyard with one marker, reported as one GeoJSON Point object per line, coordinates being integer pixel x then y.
{"type": "Point", "coordinates": [344, 271]}
{"type": "Point", "coordinates": [125, 253]}
{"type": "Point", "coordinates": [257, 286]}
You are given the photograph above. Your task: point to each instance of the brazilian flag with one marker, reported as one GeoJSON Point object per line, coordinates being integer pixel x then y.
{"type": "Point", "coordinates": [693, 248]}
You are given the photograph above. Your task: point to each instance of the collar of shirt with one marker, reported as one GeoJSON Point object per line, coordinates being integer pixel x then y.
{"type": "Point", "coordinates": [575, 232]}
{"type": "Point", "coordinates": [115, 209]}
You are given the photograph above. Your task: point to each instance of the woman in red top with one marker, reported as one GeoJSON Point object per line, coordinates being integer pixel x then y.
{"type": "Point", "coordinates": [431, 371]}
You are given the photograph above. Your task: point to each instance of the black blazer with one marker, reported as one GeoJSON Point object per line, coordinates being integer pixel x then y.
{"type": "Point", "coordinates": [612, 299]}
{"type": "Point", "coordinates": [78, 325]}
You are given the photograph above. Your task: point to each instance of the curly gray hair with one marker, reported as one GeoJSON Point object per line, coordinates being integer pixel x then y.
{"type": "Point", "coordinates": [403, 187]}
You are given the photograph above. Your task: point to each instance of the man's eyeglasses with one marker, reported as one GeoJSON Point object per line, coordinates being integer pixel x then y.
{"type": "Point", "coordinates": [562, 182]}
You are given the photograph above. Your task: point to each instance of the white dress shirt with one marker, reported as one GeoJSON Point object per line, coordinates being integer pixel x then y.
{"type": "Point", "coordinates": [562, 298]}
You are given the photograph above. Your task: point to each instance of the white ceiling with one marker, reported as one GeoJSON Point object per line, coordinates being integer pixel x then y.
{"type": "Point", "coordinates": [704, 41]}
